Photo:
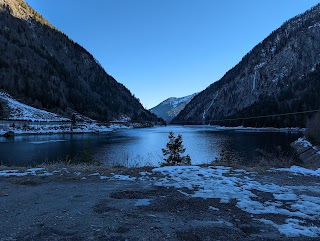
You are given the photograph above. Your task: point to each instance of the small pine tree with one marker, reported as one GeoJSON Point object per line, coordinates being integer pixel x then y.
{"type": "Point", "coordinates": [174, 150]}
{"type": "Point", "coordinates": [73, 119]}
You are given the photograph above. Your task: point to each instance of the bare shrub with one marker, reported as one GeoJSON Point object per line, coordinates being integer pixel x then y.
{"type": "Point", "coordinates": [276, 158]}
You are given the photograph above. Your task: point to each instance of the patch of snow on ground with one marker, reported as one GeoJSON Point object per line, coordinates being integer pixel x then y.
{"type": "Point", "coordinates": [145, 173]}
{"type": "Point", "coordinates": [293, 228]}
{"type": "Point", "coordinates": [216, 182]}
{"type": "Point", "coordinates": [94, 174]}
{"type": "Point", "coordinates": [300, 170]}
{"type": "Point", "coordinates": [304, 142]}
{"type": "Point", "coordinates": [39, 172]}
{"type": "Point", "coordinates": [213, 208]}
{"type": "Point", "coordinates": [12, 173]}
{"type": "Point", "coordinates": [142, 202]}
{"type": "Point", "coordinates": [123, 178]}
{"type": "Point", "coordinates": [285, 196]}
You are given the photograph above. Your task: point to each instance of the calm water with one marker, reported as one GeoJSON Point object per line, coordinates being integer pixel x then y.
{"type": "Point", "coordinates": [139, 146]}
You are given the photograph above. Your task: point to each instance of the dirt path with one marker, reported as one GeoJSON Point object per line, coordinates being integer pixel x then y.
{"type": "Point", "coordinates": [95, 208]}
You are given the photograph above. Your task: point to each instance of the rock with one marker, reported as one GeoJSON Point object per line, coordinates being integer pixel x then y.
{"type": "Point", "coordinates": [308, 154]}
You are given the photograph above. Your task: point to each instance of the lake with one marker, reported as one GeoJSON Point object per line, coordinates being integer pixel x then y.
{"type": "Point", "coordinates": [138, 147]}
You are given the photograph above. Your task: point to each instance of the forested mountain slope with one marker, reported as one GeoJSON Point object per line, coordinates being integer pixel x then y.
{"type": "Point", "coordinates": [42, 67]}
{"type": "Point", "coordinates": [280, 75]}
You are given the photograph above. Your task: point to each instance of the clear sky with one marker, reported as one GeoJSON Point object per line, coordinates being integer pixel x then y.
{"type": "Point", "coordinates": [168, 48]}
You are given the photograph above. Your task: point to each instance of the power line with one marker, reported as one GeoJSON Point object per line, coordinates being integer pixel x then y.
{"type": "Point", "coordinates": [256, 117]}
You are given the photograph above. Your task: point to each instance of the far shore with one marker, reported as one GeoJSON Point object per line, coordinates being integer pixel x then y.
{"type": "Point", "coordinates": [88, 129]}
{"type": "Point", "coordinates": [104, 129]}
{"type": "Point", "coordinates": [254, 129]}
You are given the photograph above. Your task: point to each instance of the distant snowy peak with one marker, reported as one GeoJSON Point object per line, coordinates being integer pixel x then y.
{"type": "Point", "coordinates": [171, 107]}
{"type": "Point", "coordinates": [174, 102]}
{"type": "Point", "coordinates": [16, 110]}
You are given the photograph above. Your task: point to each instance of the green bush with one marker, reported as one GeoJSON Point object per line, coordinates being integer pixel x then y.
{"type": "Point", "coordinates": [174, 150]}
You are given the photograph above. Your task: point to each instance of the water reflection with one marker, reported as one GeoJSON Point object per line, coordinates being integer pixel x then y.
{"type": "Point", "coordinates": [139, 146]}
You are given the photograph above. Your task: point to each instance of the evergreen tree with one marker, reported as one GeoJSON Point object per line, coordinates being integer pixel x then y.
{"type": "Point", "coordinates": [1, 110]}
{"type": "Point", "coordinates": [73, 119]}
{"type": "Point", "coordinates": [174, 150]}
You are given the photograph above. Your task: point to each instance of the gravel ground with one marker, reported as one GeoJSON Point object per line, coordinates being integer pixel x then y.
{"type": "Point", "coordinates": [72, 208]}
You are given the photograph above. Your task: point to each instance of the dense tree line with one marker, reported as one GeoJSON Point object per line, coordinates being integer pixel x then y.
{"type": "Point", "coordinates": [302, 95]}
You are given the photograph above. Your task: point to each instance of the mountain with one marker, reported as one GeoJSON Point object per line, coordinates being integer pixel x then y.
{"type": "Point", "coordinates": [171, 107]}
{"type": "Point", "coordinates": [280, 75]}
{"type": "Point", "coordinates": [40, 66]}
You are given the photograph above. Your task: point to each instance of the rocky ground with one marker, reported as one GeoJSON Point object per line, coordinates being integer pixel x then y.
{"type": "Point", "coordinates": [183, 203]}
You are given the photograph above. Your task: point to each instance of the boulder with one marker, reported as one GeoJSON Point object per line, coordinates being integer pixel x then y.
{"type": "Point", "coordinates": [308, 154]}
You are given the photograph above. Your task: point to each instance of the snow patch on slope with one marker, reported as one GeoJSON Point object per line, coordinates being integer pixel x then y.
{"type": "Point", "coordinates": [171, 107]}
{"type": "Point", "coordinates": [174, 102]}
{"type": "Point", "coordinates": [20, 111]}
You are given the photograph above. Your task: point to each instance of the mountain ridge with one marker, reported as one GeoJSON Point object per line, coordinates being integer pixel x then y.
{"type": "Point", "coordinates": [171, 107]}
{"type": "Point", "coordinates": [271, 70]}
{"type": "Point", "coordinates": [44, 68]}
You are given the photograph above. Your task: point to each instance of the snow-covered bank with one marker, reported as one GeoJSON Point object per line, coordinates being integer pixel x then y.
{"type": "Point", "coordinates": [20, 111]}
{"type": "Point", "coordinates": [59, 129]}
{"type": "Point", "coordinates": [22, 119]}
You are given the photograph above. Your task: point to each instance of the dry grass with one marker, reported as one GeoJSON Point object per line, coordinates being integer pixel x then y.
{"type": "Point", "coordinates": [276, 158]}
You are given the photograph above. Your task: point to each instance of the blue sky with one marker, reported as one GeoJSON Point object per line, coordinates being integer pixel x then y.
{"type": "Point", "coordinates": [168, 48]}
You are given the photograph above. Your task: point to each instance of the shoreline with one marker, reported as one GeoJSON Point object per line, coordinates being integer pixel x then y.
{"type": "Point", "coordinates": [95, 129]}
{"type": "Point", "coordinates": [61, 132]}
{"type": "Point", "coordinates": [92, 129]}
{"type": "Point", "coordinates": [259, 129]}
